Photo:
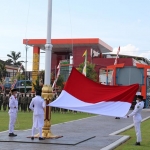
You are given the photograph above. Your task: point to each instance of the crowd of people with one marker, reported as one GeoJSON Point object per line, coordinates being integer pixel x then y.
{"type": "Point", "coordinates": [23, 101]}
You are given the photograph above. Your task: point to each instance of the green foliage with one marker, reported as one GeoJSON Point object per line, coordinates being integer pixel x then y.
{"type": "Point", "coordinates": [18, 76]}
{"type": "Point", "coordinates": [3, 71]}
{"type": "Point", "coordinates": [90, 71]}
{"type": "Point", "coordinates": [129, 145]}
{"type": "Point", "coordinates": [60, 81]}
{"type": "Point", "coordinates": [37, 85]}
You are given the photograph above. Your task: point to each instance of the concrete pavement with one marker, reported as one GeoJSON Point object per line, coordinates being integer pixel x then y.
{"type": "Point", "coordinates": [93, 133]}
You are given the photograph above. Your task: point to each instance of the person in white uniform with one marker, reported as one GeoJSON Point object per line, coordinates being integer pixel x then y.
{"type": "Point", "coordinates": [37, 105]}
{"type": "Point", "coordinates": [137, 118]}
{"type": "Point", "coordinates": [13, 109]}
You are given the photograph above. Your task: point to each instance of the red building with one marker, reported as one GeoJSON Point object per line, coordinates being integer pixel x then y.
{"type": "Point", "coordinates": [64, 48]}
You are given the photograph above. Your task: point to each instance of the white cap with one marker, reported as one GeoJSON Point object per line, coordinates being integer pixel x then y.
{"type": "Point", "coordinates": [138, 93]}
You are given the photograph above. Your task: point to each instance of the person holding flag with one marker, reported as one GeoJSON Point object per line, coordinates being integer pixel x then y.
{"type": "Point", "coordinates": [137, 118]}
{"type": "Point", "coordinates": [84, 68]}
{"type": "Point", "coordinates": [38, 105]}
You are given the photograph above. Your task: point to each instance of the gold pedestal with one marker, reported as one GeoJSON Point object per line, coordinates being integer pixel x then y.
{"type": "Point", "coordinates": [47, 95]}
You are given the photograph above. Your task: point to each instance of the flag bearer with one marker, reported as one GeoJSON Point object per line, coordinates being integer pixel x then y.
{"type": "Point", "coordinates": [13, 109]}
{"type": "Point", "coordinates": [137, 118]}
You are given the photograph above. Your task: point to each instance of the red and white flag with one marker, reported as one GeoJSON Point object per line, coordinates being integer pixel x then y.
{"type": "Point", "coordinates": [85, 95]}
{"type": "Point", "coordinates": [117, 56]}
{"type": "Point", "coordinates": [111, 83]}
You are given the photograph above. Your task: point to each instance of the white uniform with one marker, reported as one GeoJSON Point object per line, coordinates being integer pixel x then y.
{"type": "Point", "coordinates": [137, 118]}
{"type": "Point", "coordinates": [37, 105]}
{"type": "Point", "coordinates": [13, 109]}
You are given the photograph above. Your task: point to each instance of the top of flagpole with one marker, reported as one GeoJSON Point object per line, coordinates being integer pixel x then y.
{"type": "Point", "coordinates": [49, 22]}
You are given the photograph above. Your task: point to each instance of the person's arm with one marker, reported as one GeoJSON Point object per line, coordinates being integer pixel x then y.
{"type": "Point", "coordinates": [31, 105]}
{"type": "Point", "coordinates": [136, 109]}
{"type": "Point", "coordinates": [11, 102]}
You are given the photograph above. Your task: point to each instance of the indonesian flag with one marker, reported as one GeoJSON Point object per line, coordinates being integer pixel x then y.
{"type": "Point", "coordinates": [85, 95]}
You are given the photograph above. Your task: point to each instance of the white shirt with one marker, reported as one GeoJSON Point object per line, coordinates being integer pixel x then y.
{"type": "Point", "coordinates": [137, 112]}
{"type": "Point", "coordinates": [37, 105]}
{"type": "Point", "coordinates": [13, 104]}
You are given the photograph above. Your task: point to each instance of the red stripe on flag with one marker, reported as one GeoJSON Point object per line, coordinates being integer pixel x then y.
{"type": "Point", "coordinates": [89, 91]}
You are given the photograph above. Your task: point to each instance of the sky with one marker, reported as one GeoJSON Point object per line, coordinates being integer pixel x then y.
{"type": "Point", "coordinates": [123, 23]}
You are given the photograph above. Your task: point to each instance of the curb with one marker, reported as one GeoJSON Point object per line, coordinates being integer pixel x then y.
{"type": "Point", "coordinates": [122, 139]}
{"type": "Point", "coordinates": [117, 143]}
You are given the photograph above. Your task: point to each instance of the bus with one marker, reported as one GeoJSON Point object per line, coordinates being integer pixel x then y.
{"type": "Point", "coordinates": [20, 86]}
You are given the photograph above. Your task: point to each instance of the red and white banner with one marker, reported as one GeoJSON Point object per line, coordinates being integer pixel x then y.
{"type": "Point", "coordinates": [85, 95]}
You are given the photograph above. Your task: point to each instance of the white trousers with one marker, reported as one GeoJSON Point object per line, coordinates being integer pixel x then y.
{"type": "Point", "coordinates": [12, 120]}
{"type": "Point", "coordinates": [137, 126]}
{"type": "Point", "coordinates": [38, 122]}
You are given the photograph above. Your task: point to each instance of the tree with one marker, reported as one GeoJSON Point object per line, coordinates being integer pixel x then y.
{"type": "Point", "coordinates": [60, 82]}
{"type": "Point", "coordinates": [3, 71]}
{"type": "Point", "coordinates": [18, 76]}
{"type": "Point", "coordinates": [13, 58]}
{"type": "Point", "coordinates": [90, 70]}
{"type": "Point", "coordinates": [37, 85]}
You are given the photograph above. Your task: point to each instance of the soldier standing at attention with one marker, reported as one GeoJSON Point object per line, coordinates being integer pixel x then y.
{"type": "Point", "coordinates": [25, 102]}
{"type": "Point", "coordinates": [5, 101]}
{"type": "Point", "coordinates": [19, 102]}
{"type": "Point", "coordinates": [1, 100]}
{"type": "Point", "coordinates": [29, 101]}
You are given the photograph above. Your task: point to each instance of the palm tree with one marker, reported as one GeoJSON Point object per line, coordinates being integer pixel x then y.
{"type": "Point", "coordinates": [3, 71]}
{"type": "Point", "coordinates": [13, 57]}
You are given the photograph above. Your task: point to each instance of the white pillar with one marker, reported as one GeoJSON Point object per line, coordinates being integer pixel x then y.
{"type": "Point", "coordinates": [48, 46]}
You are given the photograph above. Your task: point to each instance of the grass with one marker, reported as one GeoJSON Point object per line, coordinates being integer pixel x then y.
{"type": "Point", "coordinates": [145, 144]}
{"type": "Point", "coordinates": [24, 119]}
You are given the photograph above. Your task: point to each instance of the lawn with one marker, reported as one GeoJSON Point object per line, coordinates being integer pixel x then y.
{"type": "Point", "coordinates": [24, 120]}
{"type": "Point", "coordinates": [145, 144]}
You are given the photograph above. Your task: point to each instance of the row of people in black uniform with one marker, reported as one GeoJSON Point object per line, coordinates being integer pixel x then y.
{"type": "Point", "coordinates": [23, 101]}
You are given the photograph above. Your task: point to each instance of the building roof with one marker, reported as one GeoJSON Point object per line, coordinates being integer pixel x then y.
{"type": "Point", "coordinates": [137, 58]}
{"type": "Point", "coordinates": [9, 66]}
{"type": "Point", "coordinates": [67, 44]}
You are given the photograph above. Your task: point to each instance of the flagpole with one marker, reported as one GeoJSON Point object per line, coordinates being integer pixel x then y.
{"type": "Point", "coordinates": [47, 89]}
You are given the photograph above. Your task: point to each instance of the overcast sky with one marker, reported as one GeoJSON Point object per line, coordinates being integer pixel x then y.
{"type": "Point", "coordinates": [122, 23]}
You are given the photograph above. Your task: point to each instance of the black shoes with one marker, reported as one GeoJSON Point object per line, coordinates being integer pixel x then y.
{"type": "Point", "coordinates": [40, 138]}
{"type": "Point", "coordinates": [12, 134]}
{"type": "Point", "coordinates": [137, 143]}
{"type": "Point", "coordinates": [117, 118]}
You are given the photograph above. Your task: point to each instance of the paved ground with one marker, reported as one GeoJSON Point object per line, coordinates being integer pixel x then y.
{"type": "Point", "coordinates": [92, 133]}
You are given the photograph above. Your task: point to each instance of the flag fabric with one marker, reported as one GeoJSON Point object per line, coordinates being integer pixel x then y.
{"type": "Point", "coordinates": [117, 56]}
{"type": "Point", "coordinates": [85, 95]}
{"type": "Point", "coordinates": [85, 61]}
{"type": "Point", "coordinates": [58, 73]}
